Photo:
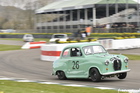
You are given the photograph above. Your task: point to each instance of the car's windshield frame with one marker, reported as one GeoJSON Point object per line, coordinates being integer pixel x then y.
{"type": "Point", "coordinates": [59, 36]}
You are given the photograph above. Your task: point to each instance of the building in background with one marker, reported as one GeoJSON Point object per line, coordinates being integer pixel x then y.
{"type": "Point", "coordinates": [73, 15]}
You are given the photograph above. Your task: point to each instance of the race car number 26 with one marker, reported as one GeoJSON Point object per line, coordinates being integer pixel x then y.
{"type": "Point", "coordinates": [75, 65]}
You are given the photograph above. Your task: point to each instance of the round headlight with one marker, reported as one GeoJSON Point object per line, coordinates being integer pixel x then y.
{"type": "Point", "coordinates": [126, 60]}
{"type": "Point", "coordinates": [107, 62]}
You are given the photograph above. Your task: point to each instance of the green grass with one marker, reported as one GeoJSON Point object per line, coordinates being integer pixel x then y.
{"type": "Point", "coordinates": [18, 87]}
{"type": "Point", "coordinates": [20, 39]}
{"type": "Point", "coordinates": [15, 39]}
{"type": "Point", "coordinates": [9, 47]}
{"type": "Point", "coordinates": [133, 57]}
{"type": "Point", "coordinates": [42, 39]}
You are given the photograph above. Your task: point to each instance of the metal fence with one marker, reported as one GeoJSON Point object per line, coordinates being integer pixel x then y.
{"type": "Point", "coordinates": [95, 30]}
{"type": "Point", "coordinates": [72, 30]}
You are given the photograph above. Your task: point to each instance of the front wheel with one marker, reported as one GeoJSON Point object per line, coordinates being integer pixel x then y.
{"type": "Point", "coordinates": [95, 75]}
{"type": "Point", "coordinates": [61, 75]}
{"type": "Point", "coordinates": [122, 75]}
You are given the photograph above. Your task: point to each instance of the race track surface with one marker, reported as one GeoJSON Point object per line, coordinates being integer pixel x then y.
{"type": "Point", "coordinates": [11, 42]}
{"type": "Point", "coordinates": [27, 64]}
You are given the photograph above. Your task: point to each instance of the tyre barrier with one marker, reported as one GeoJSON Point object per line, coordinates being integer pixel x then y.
{"type": "Point", "coordinates": [33, 45]}
{"type": "Point", "coordinates": [51, 52]}
{"type": "Point", "coordinates": [126, 43]}
{"type": "Point", "coordinates": [107, 43]}
{"type": "Point", "coordinates": [125, 37]}
{"type": "Point", "coordinates": [120, 43]}
{"type": "Point", "coordinates": [75, 41]}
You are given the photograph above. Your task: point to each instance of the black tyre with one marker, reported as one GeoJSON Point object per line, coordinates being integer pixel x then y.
{"type": "Point", "coordinates": [61, 75]}
{"type": "Point", "coordinates": [95, 75]}
{"type": "Point", "coordinates": [122, 75]}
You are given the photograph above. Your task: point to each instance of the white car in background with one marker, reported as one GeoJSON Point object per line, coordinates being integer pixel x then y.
{"type": "Point", "coordinates": [60, 37]}
{"type": "Point", "coordinates": [28, 38]}
{"type": "Point", "coordinates": [7, 30]}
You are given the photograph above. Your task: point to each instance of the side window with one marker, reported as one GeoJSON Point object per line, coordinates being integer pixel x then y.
{"type": "Point", "coordinates": [66, 53]}
{"type": "Point", "coordinates": [75, 52]}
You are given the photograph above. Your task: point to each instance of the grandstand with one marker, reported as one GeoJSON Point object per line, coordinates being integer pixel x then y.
{"type": "Point", "coordinates": [73, 15]}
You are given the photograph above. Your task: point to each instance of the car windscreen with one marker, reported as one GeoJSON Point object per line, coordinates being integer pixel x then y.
{"type": "Point", "coordinates": [29, 35]}
{"type": "Point", "coordinates": [89, 50]}
{"type": "Point", "coordinates": [59, 36]}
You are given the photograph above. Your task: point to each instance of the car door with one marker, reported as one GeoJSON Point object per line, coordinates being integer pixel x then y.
{"type": "Point", "coordinates": [74, 62]}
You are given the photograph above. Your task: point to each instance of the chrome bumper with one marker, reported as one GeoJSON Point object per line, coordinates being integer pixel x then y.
{"type": "Point", "coordinates": [116, 72]}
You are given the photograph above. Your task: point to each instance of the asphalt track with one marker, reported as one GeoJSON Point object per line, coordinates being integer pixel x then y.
{"type": "Point", "coordinates": [27, 64]}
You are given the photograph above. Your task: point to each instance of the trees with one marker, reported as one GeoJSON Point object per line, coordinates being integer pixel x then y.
{"type": "Point", "coordinates": [16, 18]}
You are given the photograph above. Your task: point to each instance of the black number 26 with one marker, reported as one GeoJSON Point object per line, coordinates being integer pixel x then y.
{"type": "Point", "coordinates": [75, 65]}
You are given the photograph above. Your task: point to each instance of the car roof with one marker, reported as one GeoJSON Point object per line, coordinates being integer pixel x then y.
{"type": "Point", "coordinates": [83, 44]}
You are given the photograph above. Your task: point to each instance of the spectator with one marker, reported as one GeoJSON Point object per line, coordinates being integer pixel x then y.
{"type": "Point", "coordinates": [83, 34]}
{"type": "Point", "coordinates": [88, 30]}
{"type": "Point", "coordinates": [107, 26]}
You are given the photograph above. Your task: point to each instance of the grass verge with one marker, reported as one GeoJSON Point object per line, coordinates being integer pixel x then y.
{"type": "Point", "coordinates": [9, 47]}
{"type": "Point", "coordinates": [20, 39]}
{"type": "Point", "coordinates": [18, 87]}
{"type": "Point", "coordinates": [133, 57]}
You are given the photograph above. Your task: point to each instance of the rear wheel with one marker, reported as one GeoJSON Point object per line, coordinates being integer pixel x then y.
{"type": "Point", "coordinates": [122, 75]}
{"type": "Point", "coordinates": [61, 75]}
{"type": "Point", "coordinates": [95, 75]}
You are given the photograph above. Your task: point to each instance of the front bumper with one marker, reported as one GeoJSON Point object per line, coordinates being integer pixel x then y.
{"type": "Point", "coordinates": [116, 72]}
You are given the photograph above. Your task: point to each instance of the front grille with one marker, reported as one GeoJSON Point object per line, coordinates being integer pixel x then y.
{"type": "Point", "coordinates": [117, 64]}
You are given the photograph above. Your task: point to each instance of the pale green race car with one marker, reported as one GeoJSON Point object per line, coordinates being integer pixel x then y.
{"type": "Point", "coordinates": [89, 60]}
